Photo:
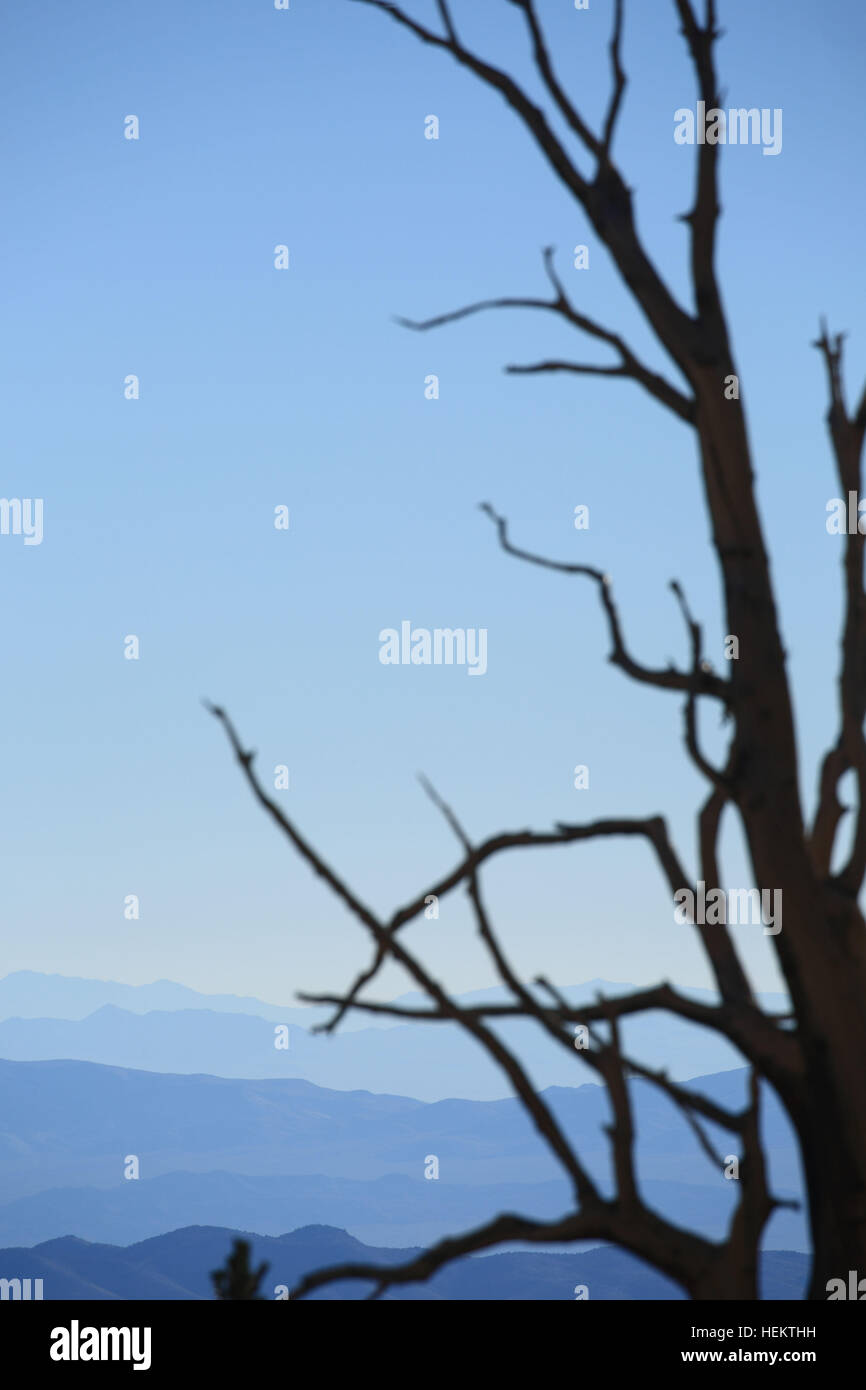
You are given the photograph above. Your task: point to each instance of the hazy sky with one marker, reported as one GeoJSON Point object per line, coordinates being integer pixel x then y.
{"type": "Point", "coordinates": [261, 387]}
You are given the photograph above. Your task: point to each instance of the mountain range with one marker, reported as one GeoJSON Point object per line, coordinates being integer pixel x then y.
{"type": "Point", "coordinates": [130, 1111]}
{"type": "Point", "coordinates": [167, 1028]}
{"type": "Point", "coordinates": [67, 1126]}
{"type": "Point", "coordinates": [392, 1210]}
{"type": "Point", "coordinates": [177, 1266]}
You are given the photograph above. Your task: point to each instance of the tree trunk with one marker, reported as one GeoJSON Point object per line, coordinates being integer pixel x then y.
{"type": "Point", "coordinates": [822, 944]}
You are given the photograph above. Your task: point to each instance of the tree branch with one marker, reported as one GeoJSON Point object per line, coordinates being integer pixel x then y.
{"type": "Point", "coordinates": [606, 200]}
{"type": "Point", "coordinates": [703, 219]}
{"type": "Point", "coordinates": [718, 779]}
{"type": "Point", "coordinates": [683, 1255]}
{"type": "Point", "coordinates": [847, 436]}
{"type": "Point", "coordinates": [629, 365]}
{"type": "Point", "coordinates": [699, 682]}
{"type": "Point", "coordinates": [387, 943]}
{"type": "Point", "coordinates": [619, 80]}
{"type": "Point", "coordinates": [748, 1029]}
{"type": "Point", "coordinates": [544, 64]}
{"type": "Point", "coordinates": [731, 978]}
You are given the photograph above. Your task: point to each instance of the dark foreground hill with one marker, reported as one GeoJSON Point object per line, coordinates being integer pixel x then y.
{"type": "Point", "coordinates": [176, 1266]}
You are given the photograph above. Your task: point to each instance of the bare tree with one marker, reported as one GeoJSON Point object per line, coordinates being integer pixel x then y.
{"type": "Point", "coordinates": [814, 1057]}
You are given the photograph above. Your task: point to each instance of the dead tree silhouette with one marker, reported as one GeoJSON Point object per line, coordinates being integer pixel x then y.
{"type": "Point", "coordinates": [814, 1057]}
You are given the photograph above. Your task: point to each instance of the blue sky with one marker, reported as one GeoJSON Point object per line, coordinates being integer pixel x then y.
{"type": "Point", "coordinates": [262, 387]}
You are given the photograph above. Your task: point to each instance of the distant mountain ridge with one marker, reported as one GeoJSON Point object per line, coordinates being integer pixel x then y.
{"type": "Point", "coordinates": [31, 994]}
{"type": "Point", "coordinates": [393, 1210]}
{"type": "Point", "coordinates": [431, 1061]}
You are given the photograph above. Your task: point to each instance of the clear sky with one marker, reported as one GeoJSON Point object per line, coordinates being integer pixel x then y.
{"type": "Point", "coordinates": [261, 387]}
